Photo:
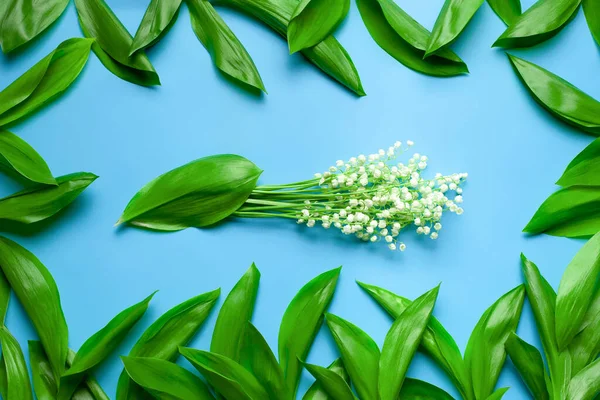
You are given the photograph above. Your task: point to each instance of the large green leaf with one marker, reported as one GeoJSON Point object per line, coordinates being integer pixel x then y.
{"type": "Point", "coordinates": [405, 39]}
{"type": "Point", "coordinates": [414, 389]}
{"type": "Point", "coordinates": [313, 20]}
{"type": "Point", "coordinates": [301, 322]}
{"type": "Point", "coordinates": [113, 43]}
{"type": "Point", "coordinates": [584, 170]}
{"type": "Point", "coordinates": [539, 23]}
{"type": "Point", "coordinates": [528, 362]}
{"type": "Point", "coordinates": [44, 384]}
{"type": "Point", "coordinates": [485, 353]}
{"type": "Point", "coordinates": [453, 18]}
{"type": "Point", "coordinates": [508, 10]}
{"type": "Point", "coordinates": [229, 378]}
{"type": "Point", "coordinates": [592, 15]}
{"type": "Point", "coordinates": [227, 52]}
{"type": "Point", "coordinates": [401, 342]}
{"type": "Point", "coordinates": [159, 17]}
{"type": "Point", "coordinates": [197, 194]}
{"type": "Point", "coordinates": [37, 292]}
{"type": "Point", "coordinates": [18, 156]}
{"type": "Point", "coordinates": [40, 202]}
{"type": "Point", "coordinates": [585, 346]}
{"type": "Point", "coordinates": [569, 212]}
{"type": "Point", "coordinates": [559, 97]}
{"type": "Point", "coordinates": [586, 384]}
{"type": "Point", "coordinates": [360, 354]}
{"type": "Point", "coordinates": [333, 383]}
{"type": "Point", "coordinates": [328, 55]}
{"type": "Point", "coordinates": [19, 387]}
{"type": "Point", "coordinates": [163, 338]}
{"type": "Point", "coordinates": [165, 379]}
{"type": "Point", "coordinates": [46, 80]}
{"type": "Point", "coordinates": [317, 391]}
{"type": "Point", "coordinates": [23, 20]}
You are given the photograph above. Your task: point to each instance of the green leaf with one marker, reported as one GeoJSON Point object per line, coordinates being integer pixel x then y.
{"type": "Point", "coordinates": [333, 384]}
{"type": "Point", "coordinates": [313, 20]}
{"type": "Point", "coordinates": [592, 15]}
{"type": "Point", "coordinates": [360, 354]}
{"type": "Point", "coordinates": [46, 80]}
{"type": "Point", "coordinates": [569, 212]}
{"type": "Point", "coordinates": [229, 378]}
{"type": "Point", "coordinates": [163, 338]}
{"type": "Point", "coordinates": [585, 347]}
{"type": "Point", "coordinates": [40, 202]}
{"type": "Point", "coordinates": [4, 297]}
{"type": "Point", "coordinates": [452, 20]}
{"type": "Point", "coordinates": [414, 389]}
{"type": "Point", "coordinates": [508, 10]}
{"type": "Point", "coordinates": [436, 342]}
{"type": "Point", "coordinates": [317, 391]}
{"type": "Point", "coordinates": [19, 387]}
{"type": "Point", "coordinates": [539, 23]}
{"type": "Point", "coordinates": [528, 362]}
{"type": "Point", "coordinates": [25, 19]}
{"type": "Point", "coordinates": [44, 384]}
{"type": "Point", "coordinates": [36, 290]}
{"type": "Point", "coordinates": [159, 17]}
{"type": "Point", "coordinates": [197, 194]}
{"type": "Point", "coordinates": [301, 322]}
{"type": "Point", "coordinates": [113, 43]}
{"type": "Point", "coordinates": [498, 394]}
{"type": "Point", "coordinates": [165, 379]}
{"type": "Point", "coordinates": [328, 55]}
{"type": "Point", "coordinates": [405, 39]}
{"type": "Point", "coordinates": [584, 170]}
{"type": "Point", "coordinates": [576, 291]}
{"type": "Point", "coordinates": [17, 155]}
{"type": "Point", "coordinates": [257, 357]}
{"type": "Point", "coordinates": [586, 384]}
{"type": "Point", "coordinates": [563, 100]}
{"type": "Point", "coordinates": [485, 353]}
{"type": "Point", "coordinates": [401, 342]}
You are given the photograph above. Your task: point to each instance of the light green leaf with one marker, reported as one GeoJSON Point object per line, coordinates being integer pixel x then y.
{"type": "Point", "coordinates": [165, 379]}
{"type": "Point", "coordinates": [563, 100]}
{"type": "Point", "coordinates": [40, 202]}
{"type": "Point", "coordinates": [18, 156]}
{"type": "Point", "coordinates": [113, 43]}
{"type": "Point", "coordinates": [452, 20]}
{"type": "Point", "coordinates": [317, 391]}
{"type": "Point", "coordinates": [19, 387]}
{"type": "Point", "coordinates": [528, 362]}
{"type": "Point", "coordinates": [401, 342]}
{"type": "Point", "coordinates": [414, 389]}
{"type": "Point", "coordinates": [584, 170]}
{"type": "Point", "coordinates": [163, 338]}
{"type": "Point", "coordinates": [23, 20]}
{"type": "Point", "coordinates": [36, 290]}
{"type": "Point", "coordinates": [197, 194]}
{"type": "Point", "coordinates": [586, 384]}
{"type": "Point", "coordinates": [333, 384]}
{"type": "Point", "coordinates": [4, 297]}
{"type": "Point", "coordinates": [485, 353]}
{"type": "Point", "coordinates": [360, 354]}
{"type": "Point", "coordinates": [508, 10]}
{"type": "Point", "coordinates": [313, 20]}
{"type": "Point", "coordinates": [229, 378]}
{"type": "Point", "coordinates": [46, 80]}
{"type": "Point", "coordinates": [592, 15]}
{"type": "Point", "coordinates": [44, 384]}
{"type": "Point", "coordinates": [301, 322]}
{"type": "Point", "coordinates": [498, 394]}
{"type": "Point", "coordinates": [585, 347]}
{"type": "Point", "coordinates": [539, 23]}
{"type": "Point", "coordinates": [159, 17]}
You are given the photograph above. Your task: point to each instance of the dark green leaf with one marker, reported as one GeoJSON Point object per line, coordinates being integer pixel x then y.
{"type": "Point", "coordinates": [44, 384]}
{"type": "Point", "coordinates": [405, 39]}
{"type": "Point", "coordinates": [584, 170]}
{"type": "Point", "coordinates": [498, 394]}
{"type": "Point", "coordinates": [162, 339]}
{"type": "Point", "coordinates": [401, 344]}
{"type": "Point", "coordinates": [229, 378]}
{"type": "Point", "coordinates": [4, 297]}
{"type": "Point", "coordinates": [113, 43]}
{"type": "Point", "coordinates": [165, 379]}
{"type": "Point", "coordinates": [37, 292]}
{"type": "Point", "coordinates": [19, 387]}
{"type": "Point", "coordinates": [333, 384]}
{"type": "Point", "coordinates": [559, 97]}
{"type": "Point", "coordinates": [17, 155]}
{"type": "Point", "coordinates": [257, 357]}
{"type": "Point", "coordinates": [586, 384]}
{"type": "Point", "coordinates": [576, 291]}
{"type": "Point", "coordinates": [569, 212]}
{"type": "Point", "coordinates": [539, 23]}
{"type": "Point", "coordinates": [485, 353]}
{"type": "Point", "coordinates": [528, 361]}
{"type": "Point", "coordinates": [585, 347]}
{"type": "Point", "coordinates": [3, 378]}
{"type": "Point", "coordinates": [414, 389]}
{"type": "Point", "coordinates": [39, 202]}
{"type": "Point", "coordinates": [197, 194]}
{"type": "Point", "coordinates": [301, 322]}
{"type": "Point", "coordinates": [592, 15]}
{"type": "Point", "coordinates": [453, 18]}
{"type": "Point", "coordinates": [317, 391]}
{"type": "Point", "coordinates": [508, 10]}
{"type": "Point", "coordinates": [47, 79]}
{"type": "Point", "coordinates": [360, 354]}
{"type": "Point", "coordinates": [159, 17]}
{"type": "Point", "coordinates": [329, 55]}
{"type": "Point", "coordinates": [313, 20]}
{"type": "Point", "coordinates": [25, 19]}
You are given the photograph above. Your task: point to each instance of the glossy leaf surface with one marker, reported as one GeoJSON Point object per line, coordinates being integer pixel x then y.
{"type": "Point", "coordinates": [159, 17]}
{"type": "Point", "coordinates": [586, 384]}
{"type": "Point", "coordinates": [333, 384]}
{"type": "Point", "coordinates": [18, 385]}
{"type": "Point", "coordinates": [44, 384]}
{"type": "Point", "coordinates": [508, 10]}
{"type": "Point", "coordinates": [318, 392]}
{"type": "Point", "coordinates": [530, 365]}
{"type": "Point", "coordinates": [585, 346]}
{"type": "Point", "coordinates": [17, 155]}
{"type": "Point", "coordinates": [584, 170]}
{"type": "Point", "coordinates": [592, 15]}
{"type": "Point", "coordinates": [414, 389]}
{"type": "Point", "coordinates": [452, 20]}
{"type": "Point", "coordinates": [313, 20]}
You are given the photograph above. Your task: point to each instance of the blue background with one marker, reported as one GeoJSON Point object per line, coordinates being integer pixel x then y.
{"type": "Point", "coordinates": [484, 123]}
